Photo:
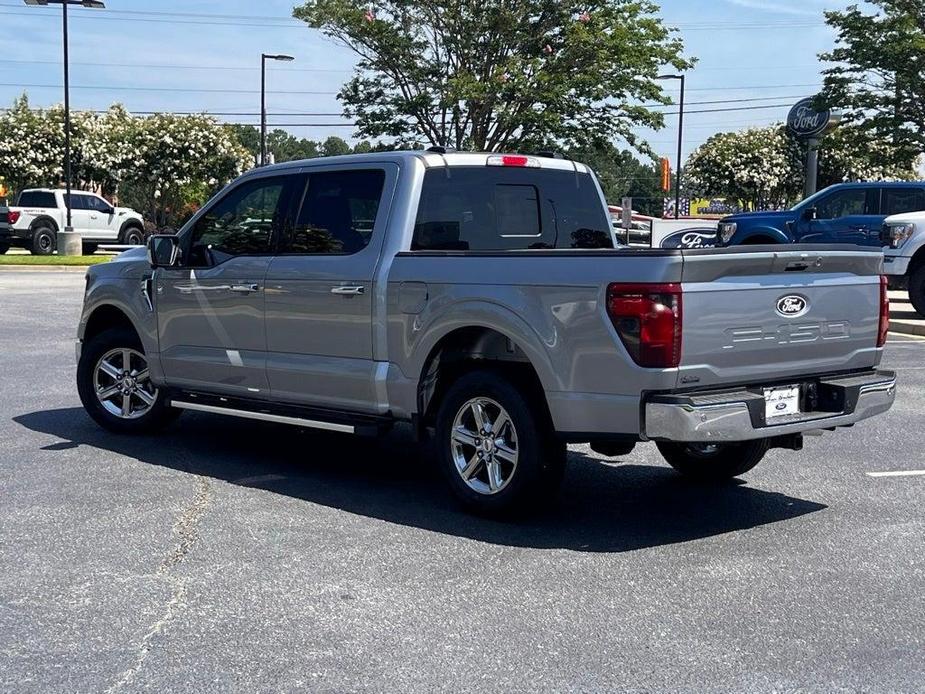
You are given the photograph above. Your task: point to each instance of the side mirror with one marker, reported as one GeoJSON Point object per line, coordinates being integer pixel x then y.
{"type": "Point", "coordinates": [810, 213]}
{"type": "Point", "coordinates": [164, 250]}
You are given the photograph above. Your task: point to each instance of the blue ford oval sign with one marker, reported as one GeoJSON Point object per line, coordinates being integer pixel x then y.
{"type": "Point", "coordinates": [690, 238]}
{"type": "Point", "coordinates": [805, 121]}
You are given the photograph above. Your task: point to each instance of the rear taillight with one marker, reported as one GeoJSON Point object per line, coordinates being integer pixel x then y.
{"type": "Point", "coordinates": [13, 216]}
{"type": "Point", "coordinates": [647, 317]}
{"type": "Point", "coordinates": [884, 312]}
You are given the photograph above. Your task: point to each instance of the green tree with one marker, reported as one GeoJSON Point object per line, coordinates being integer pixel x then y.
{"type": "Point", "coordinates": [877, 75]}
{"type": "Point", "coordinates": [622, 175]}
{"type": "Point", "coordinates": [500, 74]}
{"type": "Point", "coordinates": [334, 146]}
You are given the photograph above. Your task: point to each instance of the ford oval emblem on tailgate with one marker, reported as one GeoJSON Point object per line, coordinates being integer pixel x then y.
{"type": "Point", "coordinates": [792, 305]}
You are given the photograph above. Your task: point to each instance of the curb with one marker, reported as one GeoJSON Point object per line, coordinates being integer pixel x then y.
{"type": "Point", "coordinates": [907, 327]}
{"type": "Point", "coordinates": [44, 268]}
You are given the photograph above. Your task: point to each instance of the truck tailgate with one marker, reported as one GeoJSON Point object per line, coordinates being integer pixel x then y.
{"type": "Point", "coordinates": [757, 314]}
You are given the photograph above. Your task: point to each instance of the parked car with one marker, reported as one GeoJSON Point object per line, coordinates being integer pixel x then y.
{"type": "Point", "coordinates": [903, 239]}
{"type": "Point", "coordinates": [485, 304]}
{"type": "Point", "coordinates": [39, 214]}
{"type": "Point", "coordinates": [844, 213]}
{"type": "Point", "coordinates": [5, 230]}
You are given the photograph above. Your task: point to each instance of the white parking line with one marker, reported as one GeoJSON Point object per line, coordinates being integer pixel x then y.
{"type": "Point", "coordinates": [897, 473]}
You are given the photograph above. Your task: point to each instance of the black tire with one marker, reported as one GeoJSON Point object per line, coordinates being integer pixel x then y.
{"type": "Point", "coordinates": [4, 247]}
{"type": "Point", "coordinates": [133, 236]}
{"type": "Point", "coordinates": [94, 349]}
{"type": "Point", "coordinates": [917, 289]}
{"type": "Point", "coordinates": [44, 240]}
{"type": "Point", "coordinates": [713, 463]}
{"type": "Point", "coordinates": [90, 248]}
{"type": "Point", "coordinates": [540, 457]}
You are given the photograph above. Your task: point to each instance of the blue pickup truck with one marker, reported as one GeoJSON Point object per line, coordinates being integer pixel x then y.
{"type": "Point", "coordinates": [843, 213]}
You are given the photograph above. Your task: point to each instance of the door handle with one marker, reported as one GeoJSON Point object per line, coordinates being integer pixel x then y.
{"type": "Point", "coordinates": [349, 290]}
{"type": "Point", "coordinates": [245, 288]}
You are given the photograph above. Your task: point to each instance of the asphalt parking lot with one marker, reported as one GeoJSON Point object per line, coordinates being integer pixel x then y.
{"type": "Point", "coordinates": [235, 555]}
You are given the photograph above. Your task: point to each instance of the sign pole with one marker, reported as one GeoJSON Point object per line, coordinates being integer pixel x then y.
{"type": "Point", "coordinates": [812, 166]}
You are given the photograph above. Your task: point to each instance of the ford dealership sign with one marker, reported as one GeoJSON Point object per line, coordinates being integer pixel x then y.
{"type": "Point", "coordinates": [690, 238]}
{"type": "Point", "coordinates": [804, 121]}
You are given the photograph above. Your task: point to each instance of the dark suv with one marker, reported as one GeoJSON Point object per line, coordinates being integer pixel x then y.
{"type": "Point", "coordinates": [843, 213]}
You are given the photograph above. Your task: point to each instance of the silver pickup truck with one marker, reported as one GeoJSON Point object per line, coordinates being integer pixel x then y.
{"type": "Point", "coordinates": [483, 299]}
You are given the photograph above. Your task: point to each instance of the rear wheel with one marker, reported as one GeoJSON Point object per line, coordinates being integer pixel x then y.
{"type": "Point", "coordinates": [496, 446]}
{"type": "Point", "coordinates": [917, 289]}
{"type": "Point", "coordinates": [44, 240]}
{"type": "Point", "coordinates": [115, 386]}
{"type": "Point", "coordinates": [133, 236]}
{"type": "Point", "coordinates": [713, 462]}
{"type": "Point", "coordinates": [4, 247]}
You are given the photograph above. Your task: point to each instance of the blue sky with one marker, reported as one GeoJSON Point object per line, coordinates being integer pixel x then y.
{"type": "Point", "coordinates": [747, 49]}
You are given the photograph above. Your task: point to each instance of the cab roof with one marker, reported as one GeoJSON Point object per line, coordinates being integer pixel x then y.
{"type": "Point", "coordinates": [429, 158]}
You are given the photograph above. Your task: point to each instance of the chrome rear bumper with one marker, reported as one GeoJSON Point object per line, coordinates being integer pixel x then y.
{"type": "Point", "coordinates": [739, 415]}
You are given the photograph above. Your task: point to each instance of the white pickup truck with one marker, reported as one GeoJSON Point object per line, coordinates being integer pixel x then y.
{"type": "Point", "coordinates": [39, 213]}
{"type": "Point", "coordinates": [903, 238]}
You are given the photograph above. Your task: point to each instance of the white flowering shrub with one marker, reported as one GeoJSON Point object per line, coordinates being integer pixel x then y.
{"type": "Point", "coordinates": [754, 166]}
{"type": "Point", "coordinates": [761, 166]}
{"type": "Point", "coordinates": [153, 161]}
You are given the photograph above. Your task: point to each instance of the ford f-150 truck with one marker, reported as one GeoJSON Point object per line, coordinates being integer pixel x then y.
{"type": "Point", "coordinates": [40, 213]}
{"type": "Point", "coordinates": [850, 213]}
{"type": "Point", "coordinates": [483, 299]}
{"type": "Point", "coordinates": [903, 239]}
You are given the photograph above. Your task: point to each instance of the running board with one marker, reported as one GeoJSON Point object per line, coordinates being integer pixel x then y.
{"type": "Point", "coordinates": [310, 418]}
{"type": "Point", "coordinates": [265, 416]}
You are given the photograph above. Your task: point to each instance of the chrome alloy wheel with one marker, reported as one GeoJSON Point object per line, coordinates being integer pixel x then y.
{"type": "Point", "coordinates": [122, 383]}
{"type": "Point", "coordinates": [484, 445]}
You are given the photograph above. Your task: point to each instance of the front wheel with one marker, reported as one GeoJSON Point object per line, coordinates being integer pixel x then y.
{"type": "Point", "coordinates": [115, 386]}
{"type": "Point", "coordinates": [496, 445]}
{"type": "Point", "coordinates": [713, 462]}
{"type": "Point", "coordinates": [917, 289]}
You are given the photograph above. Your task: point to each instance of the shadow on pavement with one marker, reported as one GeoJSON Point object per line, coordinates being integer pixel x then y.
{"type": "Point", "coordinates": [602, 508]}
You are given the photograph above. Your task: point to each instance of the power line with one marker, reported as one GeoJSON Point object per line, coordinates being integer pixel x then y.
{"type": "Point", "coordinates": [292, 23]}
{"type": "Point", "coordinates": [176, 67]}
{"type": "Point", "coordinates": [107, 87]}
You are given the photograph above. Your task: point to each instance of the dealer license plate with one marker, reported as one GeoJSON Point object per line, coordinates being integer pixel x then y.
{"type": "Point", "coordinates": [780, 402]}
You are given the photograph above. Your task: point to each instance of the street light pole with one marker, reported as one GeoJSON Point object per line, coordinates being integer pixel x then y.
{"type": "Point", "coordinates": [263, 100]}
{"type": "Point", "coordinates": [92, 4]}
{"type": "Point", "coordinates": [677, 186]}
{"type": "Point", "coordinates": [67, 126]}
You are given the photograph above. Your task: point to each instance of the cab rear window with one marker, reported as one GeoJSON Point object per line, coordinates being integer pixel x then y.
{"type": "Point", "coordinates": [35, 198]}
{"type": "Point", "coordinates": [497, 209]}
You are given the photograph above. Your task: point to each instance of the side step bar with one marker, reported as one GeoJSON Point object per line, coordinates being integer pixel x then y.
{"type": "Point", "coordinates": [265, 416]}
{"type": "Point", "coordinates": [295, 415]}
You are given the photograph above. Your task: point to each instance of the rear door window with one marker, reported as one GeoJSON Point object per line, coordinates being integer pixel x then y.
{"type": "Point", "coordinates": [337, 213]}
{"type": "Point", "coordinates": [902, 200]}
{"type": "Point", "coordinates": [496, 209]}
{"type": "Point", "coordinates": [36, 198]}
